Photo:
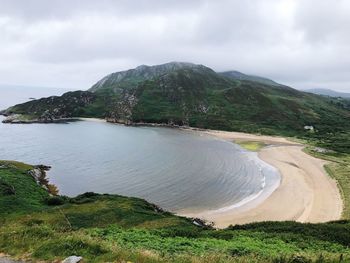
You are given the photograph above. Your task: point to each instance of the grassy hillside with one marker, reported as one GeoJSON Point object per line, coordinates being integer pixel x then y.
{"type": "Point", "coordinates": [19, 191]}
{"type": "Point", "coordinates": [111, 228]}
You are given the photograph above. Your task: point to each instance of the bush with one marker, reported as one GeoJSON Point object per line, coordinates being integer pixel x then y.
{"type": "Point", "coordinates": [33, 222]}
{"type": "Point", "coordinates": [293, 259]}
{"type": "Point", "coordinates": [239, 251]}
{"type": "Point", "coordinates": [6, 189]}
{"type": "Point", "coordinates": [88, 194]}
{"type": "Point", "coordinates": [55, 200]}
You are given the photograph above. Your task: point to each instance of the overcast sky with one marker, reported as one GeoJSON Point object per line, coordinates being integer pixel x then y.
{"type": "Point", "coordinates": [72, 44]}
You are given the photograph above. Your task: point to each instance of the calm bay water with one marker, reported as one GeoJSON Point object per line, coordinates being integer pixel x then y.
{"type": "Point", "coordinates": [178, 170]}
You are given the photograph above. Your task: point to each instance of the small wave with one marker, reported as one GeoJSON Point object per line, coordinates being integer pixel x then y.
{"type": "Point", "coordinates": [263, 189]}
{"type": "Point", "coordinates": [244, 201]}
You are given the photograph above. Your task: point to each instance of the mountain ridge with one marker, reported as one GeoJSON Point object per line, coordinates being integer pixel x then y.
{"type": "Point", "coordinates": [328, 92]}
{"type": "Point", "coordinates": [141, 73]}
{"type": "Point", "coordinates": [234, 74]}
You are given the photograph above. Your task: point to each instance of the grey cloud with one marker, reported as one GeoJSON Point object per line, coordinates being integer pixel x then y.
{"type": "Point", "coordinates": [61, 9]}
{"type": "Point", "coordinates": [302, 43]}
{"type": "Point", "coordinates": [324, 21]}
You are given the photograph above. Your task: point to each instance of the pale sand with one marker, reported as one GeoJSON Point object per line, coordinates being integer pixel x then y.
{"type": "Point", "coordinates": [306, 193]}
{"type": "Point", "coordinates": [92, 119]}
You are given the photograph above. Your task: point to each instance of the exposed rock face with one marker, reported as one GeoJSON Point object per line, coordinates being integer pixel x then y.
{"type": "Point", "coordinates": [39, 175]}
{"type": "Point", "coordinates": [4, 259]}
{"type": "Point", "coordinates": [23, 119]}
{"type": "Point", "coordinates": [121, 110]}
{"type": "Point", "coordinates": [14, 118]}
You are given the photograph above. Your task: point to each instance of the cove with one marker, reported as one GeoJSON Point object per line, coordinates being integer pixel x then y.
{"type": "Point", "coordinates": [175, 169]}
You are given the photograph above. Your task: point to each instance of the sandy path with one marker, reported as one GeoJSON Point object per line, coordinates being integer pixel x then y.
{"type": "Point", "coordinates": [306, 192]}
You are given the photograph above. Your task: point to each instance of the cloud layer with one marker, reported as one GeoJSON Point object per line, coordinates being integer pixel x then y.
{"type": "Point", "coordinates": [72, 44]}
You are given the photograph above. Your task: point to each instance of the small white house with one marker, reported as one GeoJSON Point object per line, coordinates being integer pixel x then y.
{"type": "Point", "coordinates": [309, 127]}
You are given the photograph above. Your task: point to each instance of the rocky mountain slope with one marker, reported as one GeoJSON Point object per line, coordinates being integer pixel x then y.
{"type": "Point", "coordinates": [188, 94]}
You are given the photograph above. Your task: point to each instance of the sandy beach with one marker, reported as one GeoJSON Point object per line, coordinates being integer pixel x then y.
{"type": "Point", "coordinates": [92, 119]}
{"type": "Point", "coordinates": [306, 193]}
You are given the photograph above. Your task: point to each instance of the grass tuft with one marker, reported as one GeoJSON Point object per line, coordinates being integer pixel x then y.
{"type": "Point", "coordinates": [254, 146]}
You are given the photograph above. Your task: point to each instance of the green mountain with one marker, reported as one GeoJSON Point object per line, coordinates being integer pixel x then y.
{"type": "Point", "coordinates": [188, 94]}
{"type": "Point", "coordinates": [131, 77]}
{"type": "Point", "coordinates": [241, 76]}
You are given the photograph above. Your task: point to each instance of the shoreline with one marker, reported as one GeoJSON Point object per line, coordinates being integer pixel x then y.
{"type": "Point", "coordinates": [306, 192]}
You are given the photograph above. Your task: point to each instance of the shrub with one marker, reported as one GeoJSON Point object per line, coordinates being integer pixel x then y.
{"type": "Point", "coordinates": [33, 222]}
{"type": "Point", "coordinates": [55, 200]}
{"type": "Point", "coordinates": [6, 189]}
{"type": "Point", "coordinates": [239, 251]}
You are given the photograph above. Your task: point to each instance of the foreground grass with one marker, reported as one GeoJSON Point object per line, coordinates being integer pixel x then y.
{"type": "Point", "coordinates": [112, 228]}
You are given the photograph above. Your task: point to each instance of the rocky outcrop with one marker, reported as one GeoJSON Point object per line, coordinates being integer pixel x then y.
{"type": "Point", "coordinates": [121, 110]}
{"type": "Point", "coordinates": [39, 175]}
{"type": "Point", "coordinates": [5, 259]}
{"type": "Point", "coordinates": [52, 109]}
{"type": "Point", "coordinates": [22, 119]}
{"type": "Point", "coordinates": [13, 118]}
{"type": "Point", "coordinates": [72, 259]}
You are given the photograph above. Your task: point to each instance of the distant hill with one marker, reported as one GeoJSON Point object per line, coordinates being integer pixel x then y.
{"type": "Point", "coordinates": [329, 92]}
{"type": "Point", "coordinates": [241, 76]}
{"type": "Point", "coordinates": [187, 94]}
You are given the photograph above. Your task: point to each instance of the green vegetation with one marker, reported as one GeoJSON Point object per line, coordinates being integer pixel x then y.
{"type": "Point", "coordinates": [240, 76]}
{"type": "Point", "coordinates": [112, 228]}
{"type": "Point", "coordinates": [70, 104]}
{"type": "Point", "coordinates": [339, 169]}
{"type": "Point", "coordinates": [251, 145]}
{"type": "Point", "coordinates": [18, 190]}
{"type": "Point", "coordinates": [188, 94]}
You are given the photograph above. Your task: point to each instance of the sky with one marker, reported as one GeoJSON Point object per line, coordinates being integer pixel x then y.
{"type": "Point", "coordinates": [71, 44]}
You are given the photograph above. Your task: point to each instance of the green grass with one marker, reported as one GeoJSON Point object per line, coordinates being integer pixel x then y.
{"type": "Point", "coordinates": [18, 190]}
{"type": "Point", "coordinates": [254, 146]}
{"type": "Point", "coordinates": [112, 228]}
